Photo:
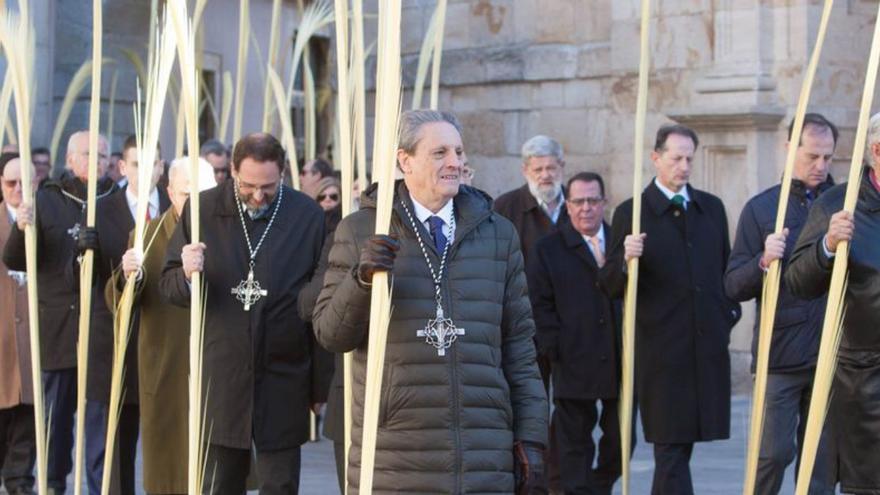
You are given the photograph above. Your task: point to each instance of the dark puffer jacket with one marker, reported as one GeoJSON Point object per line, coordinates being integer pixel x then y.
{"type": "Point", "coordinates": [447, 424]}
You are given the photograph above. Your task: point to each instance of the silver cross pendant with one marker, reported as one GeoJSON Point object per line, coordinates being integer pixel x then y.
{"type": "Point", "coordinates": [248, 292]}
{"type": "Point", "coordinates": [74, 231]}
{"type": "Point", "coordinates": [440, 332]}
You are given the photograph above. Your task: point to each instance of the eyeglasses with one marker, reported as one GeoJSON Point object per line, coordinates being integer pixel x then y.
{"type": "Point", "coordinates": [578, 202]}
{"type": "Point", "coordinates": [322, 197]}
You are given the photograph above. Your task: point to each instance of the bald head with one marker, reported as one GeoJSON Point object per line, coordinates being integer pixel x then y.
{"type": "Point", "coordinates": [10, 179]}
{"type": "Point", "coordinates": [77, 156]}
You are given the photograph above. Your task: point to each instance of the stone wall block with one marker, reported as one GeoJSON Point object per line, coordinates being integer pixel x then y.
{"type": "Point", "coordinates": [544, 62]}
{"type": "Point", "coordinates": [484, 132]}
{"type": "Point", "coordinates": [594, 60]}
{"type": "Point", "coordinates": [548, 95]}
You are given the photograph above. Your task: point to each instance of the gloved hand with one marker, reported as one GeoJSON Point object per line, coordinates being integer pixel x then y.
{"type": "Point", "coordinates": [528, 468]}
{"type": "Point", "coordinates": [377, 255]}
{"type": "Point", "coordinates": [86, 239]}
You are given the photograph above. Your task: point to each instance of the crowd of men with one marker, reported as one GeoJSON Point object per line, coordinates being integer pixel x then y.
{"type": "Point", "coordinates": [498, 306]}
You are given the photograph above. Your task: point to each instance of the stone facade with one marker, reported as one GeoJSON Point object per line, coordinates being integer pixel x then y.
{"type": "Point", "coordinates": [732, 69]}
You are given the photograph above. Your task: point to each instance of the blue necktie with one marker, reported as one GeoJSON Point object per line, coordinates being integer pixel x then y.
{"type": "Point", "coordinates": [809, 197]}
{"type": "Point", "coordinates": [436, 224]}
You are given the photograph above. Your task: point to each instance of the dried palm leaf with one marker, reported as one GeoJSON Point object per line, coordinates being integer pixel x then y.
{"type": "Point", "coordinates": [17, 39]}
{"type": "Point", "coordinates": [629, 305]}
{"type": "Point", "coordinates": [80, 78]}
{"type": "Point", "coordinates": [274, 35]}
{"type": "Point", "coordinates": [384, 146]}
{"type": "Point", "coordinates": [244, 26]}
{"type": "Point", "coordinates": [147, 129]}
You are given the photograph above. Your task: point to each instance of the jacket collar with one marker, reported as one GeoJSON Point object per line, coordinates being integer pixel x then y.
{"type": "Point", "coordinates": [575, 241]}
{"type": "Point", "coordinates": [869, 197]}
{"type": "Point", "coordinates": [472, 207]}
{"type": "Point", "coordinates": [659, 203]}
{"type": "Point", "coordinates": [800, 190]}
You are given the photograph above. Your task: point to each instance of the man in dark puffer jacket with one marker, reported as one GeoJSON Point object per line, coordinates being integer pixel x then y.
{"type": "Point", "coordinates": [467, 414]}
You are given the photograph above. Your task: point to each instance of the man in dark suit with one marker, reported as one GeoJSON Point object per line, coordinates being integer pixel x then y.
{"type": "Point", "coordinates": [260, 244]}
{"type": "Point", "coordinates": [683, 318]}
{"type": "Point", "coordinates": [115, 219]}
{"type": "Point", "coordinates": [577, 331]}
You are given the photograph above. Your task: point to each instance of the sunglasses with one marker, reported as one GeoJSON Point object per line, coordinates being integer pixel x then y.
{"type": "Point", "coordinates": [322, 197]}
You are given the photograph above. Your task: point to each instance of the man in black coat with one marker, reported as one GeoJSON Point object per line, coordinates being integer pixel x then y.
{"type": "Point", "coordinates": [854, 410]}
{"type": "Point", "coordinates": [577, 327]}
{"type": "Point", "coordinates": [536, 209]}
{"type": "Point", "coordinates": [796, 330]}
{"type": "Point", "coordinates": [260, 244]}
{"type": "Point", "coordinates": [60, 219]}
{"type": "Point", "coordinates": [683, 318]}
{"type": "Point", "coordinates": [115, 219]}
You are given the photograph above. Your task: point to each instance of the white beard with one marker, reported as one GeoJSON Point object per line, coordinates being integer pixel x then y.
{"type": "Point", "coordinates": [545, 194]}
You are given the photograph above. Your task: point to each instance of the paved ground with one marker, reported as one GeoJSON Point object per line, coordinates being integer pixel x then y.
{"type": "Point", "coordinates": [717, 467]}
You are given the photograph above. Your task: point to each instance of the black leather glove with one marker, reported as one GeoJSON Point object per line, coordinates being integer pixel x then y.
{"type": "Point", "coordinates": [377, 255]}
{"type": "Point", "coordinates": [86, 239]}
{"type": "Point", "coordinates": [528, 468]}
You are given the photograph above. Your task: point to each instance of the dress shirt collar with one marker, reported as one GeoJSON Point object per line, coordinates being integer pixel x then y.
{"type": "Point", "coordinates": [669, 194]}
{"type": "Point", "coordinates": [599, 235]}
{"type": "Point", "coordinates": [423, 213]}
{"type": "Point", "coordinates": [10, 211]}
{"type": "Point", "coordinates": [153, 203]}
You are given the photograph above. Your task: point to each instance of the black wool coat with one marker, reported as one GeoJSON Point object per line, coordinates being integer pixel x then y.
{"type": "Point", "coordinates": [257, 363]}
{"type": "Point", "coordinates": [577, 324]}
{"type": "Point", "coordinates": [683, 317]}
{"type": "Point", "coordinates": [59, 212]}
{"type": "Point", "coordinates": [522, 209]}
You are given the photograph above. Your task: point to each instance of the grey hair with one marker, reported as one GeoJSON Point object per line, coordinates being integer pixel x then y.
{"type": "Point", "coordinates": [872, 137]}
{"type": "Point", "coordinates": [541, 145]}
{"type": "Point", "coordinates": [212, 147]}
{"type": "Point", "coordinates": [411, 122]}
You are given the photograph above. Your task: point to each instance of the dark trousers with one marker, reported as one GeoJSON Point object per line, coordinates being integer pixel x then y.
{"type": "Point", "coordinates": [785, 419]}
{"type": "Point", "coordinates": [18, 448]}
{"type": "Point", "coordinates": [122, 479]}
{"type": "Point", "coordinates": [574, 421]}
{"type": "Point", "coordinates": [227, 471]}
{"type": "Point", "coordinates": [672, 470]}
{"type": "Point", "coordinates": [60, 390]}
{"type": "Point", "coordinates": [339, 455]}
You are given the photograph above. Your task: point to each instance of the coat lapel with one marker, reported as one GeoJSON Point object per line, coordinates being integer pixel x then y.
{"type": "Point", "coordinates": [575, 242]}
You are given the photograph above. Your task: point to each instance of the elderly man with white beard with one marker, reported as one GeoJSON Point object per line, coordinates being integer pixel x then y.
{"type": "Point", "coordinates": [536, 209]}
